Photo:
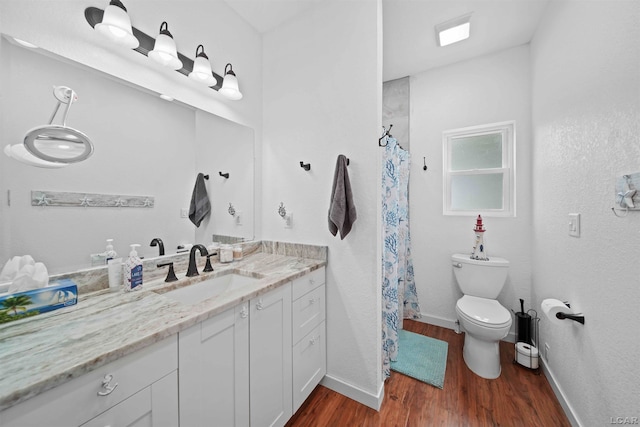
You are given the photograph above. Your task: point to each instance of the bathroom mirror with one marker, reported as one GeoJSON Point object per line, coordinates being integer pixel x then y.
{"type": "Point", "coordinates": [145, 147]}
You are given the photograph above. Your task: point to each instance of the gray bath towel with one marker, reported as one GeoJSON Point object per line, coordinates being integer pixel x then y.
{"type": "Point", "coordinates": [200, 206]}
{"type": "Point", "coordinates": [342, 211]}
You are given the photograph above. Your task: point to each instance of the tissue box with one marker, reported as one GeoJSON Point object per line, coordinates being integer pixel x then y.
{"type": "Point", "coordinates": [62, 293]}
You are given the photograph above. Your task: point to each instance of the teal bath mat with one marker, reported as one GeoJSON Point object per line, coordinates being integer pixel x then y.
{"type": "Point", "coordinates": [422, 358]}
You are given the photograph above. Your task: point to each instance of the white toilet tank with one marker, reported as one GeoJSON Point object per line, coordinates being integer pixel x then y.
{"type": "Point", "coordinates": [480, 278]}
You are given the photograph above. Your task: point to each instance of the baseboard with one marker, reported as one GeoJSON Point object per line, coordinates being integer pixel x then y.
{"type": "Point", "coordinates": [354, 393]}
{"type": "Point", "coordinates": [557, 390]}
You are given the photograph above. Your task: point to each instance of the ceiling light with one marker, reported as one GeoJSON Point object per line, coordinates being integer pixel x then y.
{"type": "Point", "coordinates": [230, 84]}
{"type": "Point", "coordinates": [454, 30]}
{"type": "Point", "coordinates": [25, 43]}
{"type": "Point", "coordinates": [164, 50]}
{"type": "Point", "coordinates": [202, 68]}
{"type": "Point", "coordinates": [116, 25]}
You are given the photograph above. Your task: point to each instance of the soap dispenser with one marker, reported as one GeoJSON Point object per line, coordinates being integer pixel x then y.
{"type": "Point", "coordinates": [109, 252]}
{"type": "Point", "coordinates": [133, 271]}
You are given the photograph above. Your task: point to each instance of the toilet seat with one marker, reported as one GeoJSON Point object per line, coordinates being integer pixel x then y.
{"type": "Point", "coordinates": [487, 313]}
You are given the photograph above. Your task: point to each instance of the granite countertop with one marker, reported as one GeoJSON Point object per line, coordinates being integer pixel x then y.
{"type": "Point", "coordinates": [42, 352]}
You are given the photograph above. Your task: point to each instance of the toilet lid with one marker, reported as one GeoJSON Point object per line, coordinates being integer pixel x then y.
{"type": "Point", "coordinates": [487, 312]}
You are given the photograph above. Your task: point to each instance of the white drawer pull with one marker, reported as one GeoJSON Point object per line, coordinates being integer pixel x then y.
{"type": "Point", "coordinates": [259, 305]}
{"type": "Point", "coordinates": [312, 301]}
{"type": "Point", "coordinates": [312, 281]}
{"type": "Point", "coordinates": [312, 341]}
{"type": "Point", "coordinates": [106, 385]}
{"type": "Point", "coordinates": [244, 312]}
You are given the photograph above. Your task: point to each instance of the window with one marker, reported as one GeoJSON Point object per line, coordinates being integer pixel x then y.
{"type": "Point", "coordinates": [479, 164]}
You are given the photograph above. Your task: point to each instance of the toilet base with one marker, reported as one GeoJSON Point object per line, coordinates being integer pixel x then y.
{"type": "Point", "coordinates": [482, 357]}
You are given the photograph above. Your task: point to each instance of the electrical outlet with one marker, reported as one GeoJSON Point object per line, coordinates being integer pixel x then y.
{"type": "Point", "coordinates": [574, 224]}
{"type": "Point", "coordinates": [546, 352]}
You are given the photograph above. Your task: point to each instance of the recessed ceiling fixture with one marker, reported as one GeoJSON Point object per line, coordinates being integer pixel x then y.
{"type": "Point", "coordinates": [25, 43]}
{"type": "Point", "coordinates": [454, 30]}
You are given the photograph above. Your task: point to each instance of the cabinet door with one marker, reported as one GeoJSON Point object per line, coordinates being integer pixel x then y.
{"type": "Point", "coordinates": [154, 406]}
{"type": "Point", "coordinates": [270, 358]}
{"type": "Point", "coordinates": [214, 371]}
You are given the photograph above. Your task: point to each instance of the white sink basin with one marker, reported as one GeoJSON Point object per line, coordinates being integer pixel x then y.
{"type": "Point", "coordinates": [192, 294]}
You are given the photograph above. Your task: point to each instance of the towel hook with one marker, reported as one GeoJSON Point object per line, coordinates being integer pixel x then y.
{"type": "Point", "coordinates": [225, 175]}
{"type": "Point", "coordinates": [304, 166]}
{"type": "Point", "coordinates": [282, 211]}
{"type": "Point", "coordinates": [206, 176]}
{"type": "Point", "coordinates": [424, 168]}
{"type": "Point", "coordinates": [385, 133]}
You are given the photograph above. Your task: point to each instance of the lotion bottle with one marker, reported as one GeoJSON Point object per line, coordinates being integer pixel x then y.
{"type": "Point", "coordinates": [133, 271]}
{"type": "Point", "coordinates": [109, 252]}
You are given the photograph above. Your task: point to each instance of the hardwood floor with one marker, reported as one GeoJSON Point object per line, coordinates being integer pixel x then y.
{"type": "Point", "coordinates": [519, 397]}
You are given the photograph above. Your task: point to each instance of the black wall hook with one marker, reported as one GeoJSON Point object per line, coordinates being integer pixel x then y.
{"type": "Point", "coordinates": [206, 177]}
{"type": "Point", "coordinates": [305, 166]}
{"type": "Point", "coordinates": [224, 175]}
{"type": "Point", "coordinates": [424, 168]}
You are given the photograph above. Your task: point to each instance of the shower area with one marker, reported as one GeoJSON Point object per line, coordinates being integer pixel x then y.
{"type": "Point", "coordinates": [399, 296]}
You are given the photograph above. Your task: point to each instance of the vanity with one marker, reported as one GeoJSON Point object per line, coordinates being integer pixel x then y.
{"type": "Point", "coordinates": [249, 355]}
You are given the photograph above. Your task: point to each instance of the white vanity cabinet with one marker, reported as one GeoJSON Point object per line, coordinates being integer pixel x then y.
{"type": "Point", "coordinates": [309, 335]}
{"type": "Point", "coordinates": [214, 370]}
{"type": "Point", "coordinates": [140, 389]}
{"type": "Point", "coordinates": [270, 358]}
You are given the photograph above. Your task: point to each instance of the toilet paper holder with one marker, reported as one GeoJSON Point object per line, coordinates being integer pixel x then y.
{"type": "Point", "coordinates": [576, 317]}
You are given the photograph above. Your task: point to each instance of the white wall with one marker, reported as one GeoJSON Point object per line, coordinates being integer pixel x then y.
{"type": "Point", "coordinates": [489, 89]}
{"type": "Point", "coordinates": [586, 109]}
{"type": "Point", "coordinates": [322, 98]}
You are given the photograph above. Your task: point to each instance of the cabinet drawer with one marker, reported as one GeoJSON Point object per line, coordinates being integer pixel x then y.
{"type": "Point", "coordinates": [309, 364]}
{"type": "Point", "coordinates": [132, 373]}
{"type": "Point", "coordinates": [308, 282]}
{"type": "Point", "coordinates": [308, 312]}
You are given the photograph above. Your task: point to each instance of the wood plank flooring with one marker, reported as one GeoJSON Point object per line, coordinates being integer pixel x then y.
{"type": "Point", "coordinates": [519, 397]}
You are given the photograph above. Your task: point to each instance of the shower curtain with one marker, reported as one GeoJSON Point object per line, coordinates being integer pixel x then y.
{"type": "Point", "coordinates": [399, 296]}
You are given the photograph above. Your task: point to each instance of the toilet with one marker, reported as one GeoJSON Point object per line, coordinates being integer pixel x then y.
{"type": "Point", "coordinates": [481, 316]}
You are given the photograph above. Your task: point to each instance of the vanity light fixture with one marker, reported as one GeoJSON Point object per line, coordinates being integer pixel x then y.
{"type": "Point", "coordinates": [202, 68]}
{"type": "Point", "coordinates": [230, 84]}
{"type": "Point", "coordinates": [454, 30]}
{"type": "Point", "coordinates": [116, 25]}
{"type": "Point", "coordinates": [164, 50]}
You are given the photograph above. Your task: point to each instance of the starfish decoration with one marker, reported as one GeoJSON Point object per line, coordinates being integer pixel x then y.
{"type": "Point", "coordinates": [626, 196]}
{"type": "Point", "coordinates": [120, 202]}
{"type": "Point", "coordinates": [44, 200]}
{"type": "Point", "coordinates": [85, 201]}
{"type": "Point", "coordinates": [148, 203]}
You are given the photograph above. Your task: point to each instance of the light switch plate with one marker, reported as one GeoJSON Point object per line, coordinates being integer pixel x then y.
{"type": "Point", "coordinates": [574, 224]}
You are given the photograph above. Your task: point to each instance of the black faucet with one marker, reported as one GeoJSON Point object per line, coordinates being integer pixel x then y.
{"type": "Point", "coordinates": [158, 242]}
{"type": "Point", "coordinates": [193, 267]}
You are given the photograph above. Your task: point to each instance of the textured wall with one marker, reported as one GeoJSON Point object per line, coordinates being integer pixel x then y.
{"type": "Point", "coordinates": [395, 109]}
{"type": "Point", "coordinates": [586, 110]}
{"type": "Point", "coordinates": [324, 98]}
{"type": "Point", "coordinates": [489, 89]}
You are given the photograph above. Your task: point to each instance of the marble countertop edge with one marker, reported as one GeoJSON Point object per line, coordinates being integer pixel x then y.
{"type": "Point", "coordinates": [157, 316]}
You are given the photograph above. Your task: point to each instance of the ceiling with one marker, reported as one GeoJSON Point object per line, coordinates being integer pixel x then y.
{"type": "Point", "coordinates": [409, 43]}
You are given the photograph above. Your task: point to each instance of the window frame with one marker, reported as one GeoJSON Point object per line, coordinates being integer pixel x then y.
{"type": "Point", "coordinates": [508, 131]}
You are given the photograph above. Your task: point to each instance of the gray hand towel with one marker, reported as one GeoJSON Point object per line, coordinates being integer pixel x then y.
{"type": "Point", "coordinates": [342, 211]}
{"type": "Point", "coordinates": [200, 206]}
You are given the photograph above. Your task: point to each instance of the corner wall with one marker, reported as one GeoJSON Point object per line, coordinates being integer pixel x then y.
{"type": "Point", "coordinates": [323, 97]}
{"type": "Point", "coordinates": [586, 109]}
{"type": "Point", "coordinates": [488, 89]}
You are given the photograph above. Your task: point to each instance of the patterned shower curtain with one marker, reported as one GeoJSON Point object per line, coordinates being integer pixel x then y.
{"type": "Point", "coordinates": [398, 283]}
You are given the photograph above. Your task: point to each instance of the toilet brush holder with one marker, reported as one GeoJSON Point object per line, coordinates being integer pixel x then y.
{"type": "Point", "coordinates": [526, 352]}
